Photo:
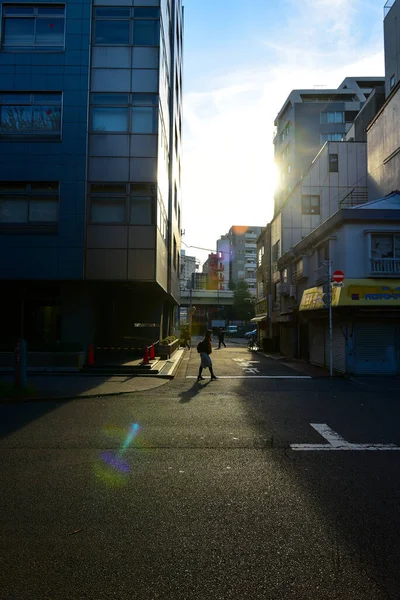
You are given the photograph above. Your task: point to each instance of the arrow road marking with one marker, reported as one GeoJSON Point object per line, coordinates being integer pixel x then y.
{"type": "Point", "coordinates": [336, 442]}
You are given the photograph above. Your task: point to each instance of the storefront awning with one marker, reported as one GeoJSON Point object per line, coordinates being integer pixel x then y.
{"type": "Point", "coordinates": [259, 318]}
{"type": "Point", "coordinates": [355, 292]}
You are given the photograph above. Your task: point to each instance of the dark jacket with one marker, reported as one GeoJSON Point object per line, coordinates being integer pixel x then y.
{"type": "Point", "coordinates": [204, 346]}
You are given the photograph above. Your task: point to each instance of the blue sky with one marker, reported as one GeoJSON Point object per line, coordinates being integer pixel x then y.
{"type": "Point", "coordinates": [241, 61]}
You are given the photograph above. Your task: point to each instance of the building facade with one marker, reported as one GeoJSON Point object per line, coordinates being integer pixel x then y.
{"type": "Point", "coordinates": [241, 248]}
{"type": "Point", "coordinates": [307, 120]}
{"type": "Point", "coordinates": [90, 142]}
{"type": "Point", "coordinates": [364, 243]}
{"type": "Point", "coordinates": [189, 265]}
{"type": "Point", "coordinates": [215, 269]}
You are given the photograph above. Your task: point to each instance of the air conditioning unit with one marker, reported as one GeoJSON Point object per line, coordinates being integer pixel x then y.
{"type": "Point", "coordinates": [282, 289]}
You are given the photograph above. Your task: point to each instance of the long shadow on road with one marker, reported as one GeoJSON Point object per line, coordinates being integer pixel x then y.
{"type": "Point", "coordinates": [350, 497]}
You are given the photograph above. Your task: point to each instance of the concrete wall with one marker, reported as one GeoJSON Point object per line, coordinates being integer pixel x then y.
{"type": "Point", "coordinates": [384, 150]}
{"type": "Point", "coordinates": [349, 249]}
{"type": "Point", "coordinates": [391, 27]}
{"type": "Point", "coordinates": [331, 187]}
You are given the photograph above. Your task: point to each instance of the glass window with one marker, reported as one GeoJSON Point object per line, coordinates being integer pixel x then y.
{"type": "Point", "coordinates": [144, 119]}
{"type": "Point", "coordinates": [110, 99]}
{"type": "Point", "coordinates": [44, 210]}
{"type": "Point", "coordinates": [146, 33]}
{"type": "Point", "coordinates": [108, 210]}
{"type": "Point", "coordinates": [29, 203]}
{"type": "Point", "coordinates": [146, 12]}
{"type": "Point", "coordinates": [333, 163]}
{"type": "Point", "coordinates": [331, 117]}
{"type": "Point", "coordinates": [112, 32]}
{"type": "Point", "coordinates": [310, 205]}
{"type": "Point", "coordinates": [108, 188]}
{"type": "Point", "coordinates": [33, 27]}
{"type": "Point", "coordinates": [392, 81]}
{"type": "Point", "coordinates": [13, 210]}
{"type": "Point", "coordinates": [147, 99]}
{"type": "Point", "coordinates": [106, 119]}
{"type": "Point", "coordinates": [382, 246]}
{"type": "Point", "coordinates": [141, 210]}
{"type": "Point", "coordinates": [113, 11]}
{"type": "Point", "coordinates": [36, 115]}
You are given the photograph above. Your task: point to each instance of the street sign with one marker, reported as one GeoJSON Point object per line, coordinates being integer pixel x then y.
{"type": "Point", "coordinates": [338, 276]}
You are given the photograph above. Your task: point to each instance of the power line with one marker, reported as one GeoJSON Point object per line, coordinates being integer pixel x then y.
{"type": "Point", "coordinates": [199, 248]}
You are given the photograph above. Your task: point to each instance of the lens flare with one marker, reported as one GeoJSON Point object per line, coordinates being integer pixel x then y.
{"type": "Point", "coordinates": [112, 468]}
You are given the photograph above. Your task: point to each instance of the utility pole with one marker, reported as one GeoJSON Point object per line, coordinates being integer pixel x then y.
{"type": "Point", "coordinates": [327, 300]}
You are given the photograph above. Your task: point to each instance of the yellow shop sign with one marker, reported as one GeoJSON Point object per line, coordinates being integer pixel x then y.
{"type": "Point", "coordinates": [355, 292]}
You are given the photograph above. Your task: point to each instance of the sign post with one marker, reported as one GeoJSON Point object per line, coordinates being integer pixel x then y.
{"type": "Point", "coordinates": [330, 317]}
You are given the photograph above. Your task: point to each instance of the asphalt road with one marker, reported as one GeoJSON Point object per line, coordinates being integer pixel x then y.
{"type": "Point", "coordinates": [194, 491]}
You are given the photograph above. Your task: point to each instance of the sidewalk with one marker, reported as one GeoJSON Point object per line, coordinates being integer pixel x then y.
{"type": "Point", "coordinates": [301, 366]}
{"type": "Point", "coordinates": [56, 386]}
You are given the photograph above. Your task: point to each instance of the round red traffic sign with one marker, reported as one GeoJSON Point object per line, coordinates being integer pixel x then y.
{"type": "Point", "coordinates": [338, 276]}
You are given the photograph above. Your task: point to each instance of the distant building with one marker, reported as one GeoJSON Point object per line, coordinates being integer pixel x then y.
{"type": "Point", "coordinates": [189, 264]}
{"type": "Point", "coordinates": [240, 242]}
{"type": "Point", "coordinates": [215, 270]}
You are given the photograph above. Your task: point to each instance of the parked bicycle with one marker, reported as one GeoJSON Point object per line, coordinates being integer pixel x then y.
{"type": "Point", "coordinates": [252, 343]}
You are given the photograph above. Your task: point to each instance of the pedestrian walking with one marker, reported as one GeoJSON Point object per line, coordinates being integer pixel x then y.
{"type": "Point", "coordinates": [204, 348]}
{"type": "Point", "coordinates": [221, 337]}
{"type": "Point", "coordinates": [185, 335]}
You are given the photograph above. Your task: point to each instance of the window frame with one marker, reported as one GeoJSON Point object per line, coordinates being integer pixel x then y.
{"type": "Point", "coordinates": [333, 165]}
{"type": "Point", "coordinates": [32, 103]}
{"type": "Point", "coordinates": [34, 47]}
{"type": "Point", "coordinates": [108, 19]}
{"type": "Point", "coordinates": [136, 16]}
{"type": "Point", "coordinates": [149, 100]}
{"type": "Point", "coordinates": [122, 196]}
{"type": "Point", "coordinates": [28, 193]}
{"type": "Point", "coordinates": [393, 236]}
{"type": "Point", "coordinates": [305, 210]}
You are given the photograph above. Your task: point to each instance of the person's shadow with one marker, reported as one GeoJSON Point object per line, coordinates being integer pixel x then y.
{"type": "Point", "coordinates": [190, 394]}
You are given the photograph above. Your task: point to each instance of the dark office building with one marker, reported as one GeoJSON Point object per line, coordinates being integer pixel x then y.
{"type": "Point", "coordinates": [90, 171]}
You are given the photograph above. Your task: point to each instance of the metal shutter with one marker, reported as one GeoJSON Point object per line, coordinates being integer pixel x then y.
{"type": "Point", "coordinates": [338, 348]}
{"type": "Point", "coordinates": [317, 343]}
{"type": "Point", "coordinates": [375, 349]}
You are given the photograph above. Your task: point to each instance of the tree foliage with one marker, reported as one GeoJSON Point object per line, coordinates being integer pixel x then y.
{"type": "Point", "coordinates": [243, 304]}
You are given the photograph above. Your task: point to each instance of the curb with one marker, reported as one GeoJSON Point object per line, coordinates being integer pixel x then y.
{"type": "Point", "coordinates": [167, 376]}
{"type": "Point", "coordinates": [67, 398]}
{"type": "Point", "coordinates": [174, 367]}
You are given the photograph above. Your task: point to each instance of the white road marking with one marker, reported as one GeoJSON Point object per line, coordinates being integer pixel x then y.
{"type": "Point", "coordinates": [253, 370]}
{"type": "Point", "coordinates": [336, 442]}
{"type": "Point", "coordinates": [247, 362]}
{"type": "Point", "coordinates": [256, 377]}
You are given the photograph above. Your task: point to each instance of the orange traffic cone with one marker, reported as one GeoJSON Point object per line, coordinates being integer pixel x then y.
{"type": "Point", "coordinates": [145, 360]}
{"type": "Point", "coordinates": [90, 359]}
{"type": "Point", "coordinates": [152, 354]}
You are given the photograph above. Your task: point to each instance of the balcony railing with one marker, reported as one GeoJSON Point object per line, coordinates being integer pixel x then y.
{"type": "Point", "coordinates": [385, 266]}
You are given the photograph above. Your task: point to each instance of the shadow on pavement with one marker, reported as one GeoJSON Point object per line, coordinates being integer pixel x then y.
{"type": "Point", "coordinates": [353, 496]}
{"type": "Point", "coordinates": [14, 416]}
{"type": "Point", "coordinates": [190, 394]}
